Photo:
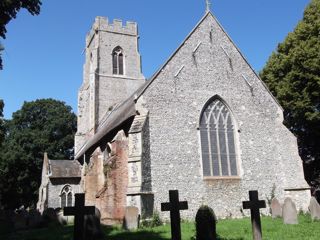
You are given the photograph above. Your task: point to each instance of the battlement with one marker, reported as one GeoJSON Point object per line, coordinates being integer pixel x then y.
{"type": "Point", "coordinates": [102, 24]}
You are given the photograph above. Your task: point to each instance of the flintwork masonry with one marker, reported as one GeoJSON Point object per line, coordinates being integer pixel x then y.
{"type": "Point", "coordinates": [203, 124]}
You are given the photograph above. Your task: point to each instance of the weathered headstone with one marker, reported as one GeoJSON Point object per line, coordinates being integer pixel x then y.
{"type": "Point", "coordinates": [254, 205]}
{"type": "Point", "coordinates": [20, 221]}
{"type": "Point", "coordinates": [6, 221]}
{"type": "Point", "coordinates": [92, 227]}
{"type": "Point", "coordinates": [289, 212]}
{"type": "Point", "coordinates": [35, 219]}
{"type": "Point", "coordinates": [131, 219]}
{"type": "Point", "coordinates": [174, 206]}
{"type": "Point", "coordinates": [20, 218]}
{"type": "Point", "coordinates": [314, 208]}
{"type": "Point", "coordinates": [78, 211]}
{"type": "Point", "coordinates": [205, 224]}
{"type": "Point", "coordinates": [61, 219]}
{"type": "Point", "coordinates": [276, 209]}
{"type": "Point", "coordinates": [50, 215]}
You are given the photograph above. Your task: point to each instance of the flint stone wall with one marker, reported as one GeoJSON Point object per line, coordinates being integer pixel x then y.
{"type": "Point", "coordinates": [207, 65]}
{"type": "Point", "coordinates": [55, 187]}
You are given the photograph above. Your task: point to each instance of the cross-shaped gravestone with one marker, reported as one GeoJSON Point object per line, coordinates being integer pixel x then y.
{"type": "Point", "coordinates": [78, 211]}
{"type": "Point", "coordinates": [254, 205]}
{"type": "Point", "coordinates": [174, 206]}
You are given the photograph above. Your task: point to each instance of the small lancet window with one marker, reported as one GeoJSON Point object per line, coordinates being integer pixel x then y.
{"type": "Point", "coordinates": [217, 133]}
{"type": "Point", "coordinates": [117, 61]}
{"type": "Point", "coordinates": [66, 196]}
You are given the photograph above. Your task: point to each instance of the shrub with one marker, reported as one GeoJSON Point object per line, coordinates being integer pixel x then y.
{"type": "Point", "coordinates": [153, 222]}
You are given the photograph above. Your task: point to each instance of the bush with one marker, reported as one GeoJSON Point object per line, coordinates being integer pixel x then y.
{"type": "Point", "coordinates": [155, 221]}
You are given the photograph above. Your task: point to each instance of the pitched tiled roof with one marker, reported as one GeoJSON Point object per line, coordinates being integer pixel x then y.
{"type": "Point", "coordinates": [64, 169]}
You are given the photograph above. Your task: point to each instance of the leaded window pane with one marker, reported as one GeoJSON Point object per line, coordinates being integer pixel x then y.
{"type": "Point", "coordinates": [117, 61]}
{"type": "Point", "coordinates": [66, 197]}
{"type": "Point", "coordinates": [120, 64]}
{"type": "Point", "coordinates": [215, 165]}
{"type": "Point", "coordinates": [217, 141]}
{"type": "Point", "coordinates": [63, 200]}
{"type": "Point", "coordinates": [233, 164]}
{"type": "Point", "coordinates": [69, 199]}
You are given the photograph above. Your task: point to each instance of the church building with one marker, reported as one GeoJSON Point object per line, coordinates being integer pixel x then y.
{"type": "Point", "coordinates": [204, 124]}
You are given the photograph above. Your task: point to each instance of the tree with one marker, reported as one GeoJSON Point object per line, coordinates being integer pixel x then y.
{"type": "Point", "coordinates": [9, 10]}
{"type": "Point", "coordinates": [40, 126]}
{"type": "Point", "coordinates": [1, 122]}
{"type": "Point", "coordinates": [292, 73]}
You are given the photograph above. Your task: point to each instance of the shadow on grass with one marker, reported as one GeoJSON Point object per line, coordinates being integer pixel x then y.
{"type": "Point", "coordinates": [52, 232]}
{"type": "Point", "coordinates": [222, 238]}
{"type": "Point", "coordinates": [134, 235]}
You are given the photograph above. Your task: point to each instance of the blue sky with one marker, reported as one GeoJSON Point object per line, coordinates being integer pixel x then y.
{"type": "Point", "coordinates": [43, 56]}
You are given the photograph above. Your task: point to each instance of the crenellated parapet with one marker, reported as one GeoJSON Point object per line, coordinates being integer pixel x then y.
{"type": "Point", "coordinates": [103, 24]}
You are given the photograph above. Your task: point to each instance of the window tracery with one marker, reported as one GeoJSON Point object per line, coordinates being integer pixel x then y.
{"type": "Point", "coordinates": [66, 196]}
{"type": "Point", "coordinates": [217, 133]}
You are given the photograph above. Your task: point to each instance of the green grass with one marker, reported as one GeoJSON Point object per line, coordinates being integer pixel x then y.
{"type": "Point", "coordinates": [236, 229]}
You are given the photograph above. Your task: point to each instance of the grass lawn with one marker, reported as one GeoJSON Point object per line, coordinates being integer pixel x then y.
{"type": "Point", "coordinates": [238, 229]}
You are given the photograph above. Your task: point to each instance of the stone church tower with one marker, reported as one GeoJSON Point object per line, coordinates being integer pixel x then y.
{"type": "Point", "coordinates": [111, 73]}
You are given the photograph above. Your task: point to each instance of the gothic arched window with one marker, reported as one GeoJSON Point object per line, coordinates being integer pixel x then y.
{"type": "Point", "coordinates": [117, 61]}
{"type": "Point", "coordinates": [66, 196]}
{"type": "Point", "coordinates": [217, 133]}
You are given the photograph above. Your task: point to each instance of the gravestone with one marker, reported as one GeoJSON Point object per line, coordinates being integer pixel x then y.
{"type": "Point", "coordinates": [61, 219]}
{"type": "Point", "coordinates": [289, 212]}
{"type": "Point", "coordinates": [79, 211]}
{"type": "Point", "coordinates": [131, 219]}
{"type": "Point", "coordinates": [205, 224]}
{"type": "Point", "coordinates": [50, 215]}
{"type": "Point", "coordinates": [276, 209]}
{"type": "Point", "coordinates": [254, 205]}
{"type": "Point", "coordinates": [174, 206]}
{"type": "Point", "coordinates": [92, 226]}
{"type": "Point", "coordinates": [35, 219]}
{"type": "Point", "coordinates": [314, 209]}
{"type": "Point", "coordinates": [20, 218]}
{"type": "Point", "coordinates": [20, 221]}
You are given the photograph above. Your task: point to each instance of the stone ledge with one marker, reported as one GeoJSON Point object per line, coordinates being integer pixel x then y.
{"type": "Point", "coordinates": [222, 178]}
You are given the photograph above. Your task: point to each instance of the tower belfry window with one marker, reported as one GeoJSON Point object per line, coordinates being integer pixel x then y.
{"type": "Point", "coordinates": [217, 133]}
{"type": "Point", "coordinates": [117, 61]}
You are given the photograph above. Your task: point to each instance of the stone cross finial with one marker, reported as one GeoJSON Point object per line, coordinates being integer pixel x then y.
{"type": "Point", "coordinates": [174, 206]}
{"type": "Point", "coordinates": [78, 211]}
{"type": "Point", "coordinates": [208, 5]}
{"type": "Point", "coordinates": [254, 205]}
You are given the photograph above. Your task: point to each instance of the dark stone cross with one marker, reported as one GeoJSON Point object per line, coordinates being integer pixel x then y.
{"type": "Point", "coordinates": [78, 211]}
{"type": "Point", "coordinates": [254, 205]}
{"type": "Point", "coordinates": [174, 206]}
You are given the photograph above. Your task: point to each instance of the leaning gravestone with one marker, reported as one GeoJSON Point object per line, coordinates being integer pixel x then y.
{"type": "Point", "coordinates": [289, 212]}
{"type": "Point", "coordinates": [131, 219]}
{"type": "Point", "coordinates": [205, 224]}
{"type": "Point", "coordinates": [276, 209]}
{"type": "Point", "coordinates": [314, 209]}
